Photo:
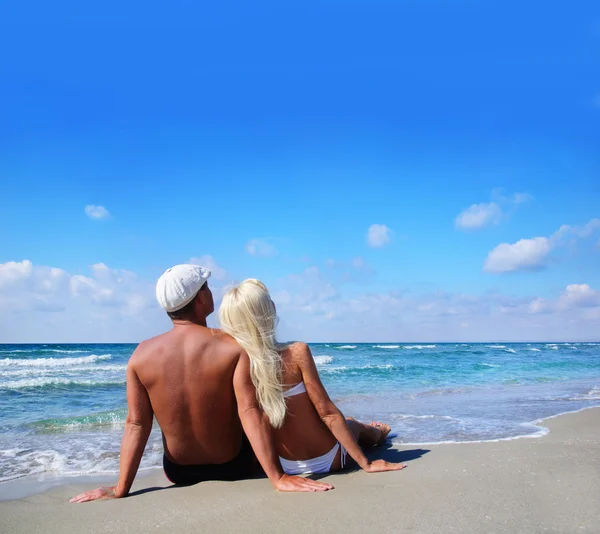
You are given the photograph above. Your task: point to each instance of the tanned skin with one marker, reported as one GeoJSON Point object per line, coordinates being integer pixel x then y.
{"type": "Point", "coordinates": [197, 384]}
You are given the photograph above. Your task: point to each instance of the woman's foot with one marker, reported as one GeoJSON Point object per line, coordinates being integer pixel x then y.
{"type": "Point", "coordinates": [383, 429]}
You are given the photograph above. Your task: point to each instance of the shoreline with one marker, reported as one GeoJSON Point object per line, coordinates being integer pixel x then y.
{"type": "Point", "coordinates": [548, 484]}
{"type": "Point", "coordinates": [29, 485]}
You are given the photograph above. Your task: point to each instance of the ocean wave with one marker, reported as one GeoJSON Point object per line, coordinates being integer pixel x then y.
{"type": "Point", "coordinates": [484, 365]}
{"type": "Point", "coordinates": [34, 351]}
{"type": "Point", "coordinates": [323, 360]}
{"type": "Point", "coordinates": [346, 347]}
{"type": "Point", "coordinates": [512, 351]}
{"type": "Point", "coordinates": [592, 394]}
{"type": "Point", "coordinates": [386, 346]}
{"type": "Point", "coordinates": [496, 346]}
{"type": "Point", "coordinates": [535, 350]}
{"type": "Point", "coordinates": [35, 371]}
{"type": "Point", "coordinates": [54, 362]}
{"type": "Point", "coordinates": [418, 347]}
{"type": "Point", "coordinates": [410, 416]}
{"type": "Point", "coordinates": [49, 381]}
{"type": "Point", "coordinates": [110, 418]}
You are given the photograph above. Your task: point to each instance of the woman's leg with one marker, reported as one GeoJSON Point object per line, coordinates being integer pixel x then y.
{"type": "Point", "coordinates": [368, 435]}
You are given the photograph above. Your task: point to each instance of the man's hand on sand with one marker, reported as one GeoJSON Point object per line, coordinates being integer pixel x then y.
{"type": "Point", "coordinates": [292, 483]}
{"type": "Point", "coordinates": [379, 466]}
{"type": "Point", "coordinates": [95, 495]}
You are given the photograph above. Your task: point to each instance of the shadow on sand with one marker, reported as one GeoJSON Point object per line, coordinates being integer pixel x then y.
{"type": "Point", "coordinates": [390, 454]}
{"type": "Point", "coordinates": [386, 452]}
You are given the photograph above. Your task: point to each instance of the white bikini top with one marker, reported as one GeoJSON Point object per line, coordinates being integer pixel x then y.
{"type": "Point", "coordinates": [296, 390]}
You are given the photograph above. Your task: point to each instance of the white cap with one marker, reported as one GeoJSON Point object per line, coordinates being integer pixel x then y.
{"type": "Point", "coordinates": [179, 285]}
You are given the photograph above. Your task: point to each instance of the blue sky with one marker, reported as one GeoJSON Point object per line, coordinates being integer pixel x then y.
{"type": "Point", "coordinates": [272, 138]}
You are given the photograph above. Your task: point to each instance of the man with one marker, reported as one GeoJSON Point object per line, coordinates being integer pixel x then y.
{"type": "Point", "coordinates": [196, 381]}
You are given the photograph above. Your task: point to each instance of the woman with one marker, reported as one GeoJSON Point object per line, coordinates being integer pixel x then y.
{"type": "Point", "coordinates": [312, 436]}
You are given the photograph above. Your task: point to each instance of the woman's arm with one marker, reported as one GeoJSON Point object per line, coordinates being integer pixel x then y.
{"type": "Point", "coordinates": [332, 416]}
{"type": "Point", "coordinates": [260, 434]}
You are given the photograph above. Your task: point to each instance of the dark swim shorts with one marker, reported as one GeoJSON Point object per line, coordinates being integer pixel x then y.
{"type": "Point", "coordinates": [244, 465]}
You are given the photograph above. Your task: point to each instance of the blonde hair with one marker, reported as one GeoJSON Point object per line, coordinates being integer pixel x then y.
{"type": "Point", "coordinates": [248, 314]}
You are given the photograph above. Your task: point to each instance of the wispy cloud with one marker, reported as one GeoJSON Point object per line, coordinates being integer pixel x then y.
{"type": "Point", "coordinates": [478, 216]}
{"type": "Point", "coordinates": [96, 212]}
{"type": "Point", "coordinates": [260, 248]}
{"type": "Point", "coordinates": [379, 235]}
{"type": "Point", "coordinates": [217, 272]}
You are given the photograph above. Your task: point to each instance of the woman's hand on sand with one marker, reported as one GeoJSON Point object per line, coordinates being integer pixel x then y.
{"type": "Point", "coordinates": [293, 483]}
{"type": "Point", "coordinates": [379, 466]}
{"type": "Point", "coordinates": [96, 495]}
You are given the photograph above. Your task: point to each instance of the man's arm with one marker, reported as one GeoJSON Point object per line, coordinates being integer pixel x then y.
{"type": "Point", "coordinates": [135, 436]}
{"type": "Point", "coordinates": [260, 434]}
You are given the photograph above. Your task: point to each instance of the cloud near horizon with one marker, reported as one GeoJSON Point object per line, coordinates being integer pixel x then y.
{"type": "Point", "coordinates": [116, 305]}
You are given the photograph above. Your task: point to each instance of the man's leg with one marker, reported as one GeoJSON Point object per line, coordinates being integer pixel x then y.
{"type": "Point", "coordinates": [368, 435]}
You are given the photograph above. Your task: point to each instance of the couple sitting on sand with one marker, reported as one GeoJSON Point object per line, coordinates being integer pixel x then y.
{"type": "Point", "coordinates": [226, 398]}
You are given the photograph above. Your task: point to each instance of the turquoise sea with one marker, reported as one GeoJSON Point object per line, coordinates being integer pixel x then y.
{"type": "Point", "coordinates": [62, 407]}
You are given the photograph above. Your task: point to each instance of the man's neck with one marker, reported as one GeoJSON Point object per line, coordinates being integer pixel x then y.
{"type": "Point", "coordinates": [200, 321]}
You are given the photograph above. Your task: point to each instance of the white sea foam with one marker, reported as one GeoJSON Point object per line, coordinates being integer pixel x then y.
{"type": "Point", "coordinates": [511, 351]}
{"type": "Point", "coordinates": [485, 364]}
{"type": "Point", "coordinates": [55, 381]}
{"type": "Point", "coordinates": [54, 362]}
{"type": "Point", "coordinates": [323, 360]}
{"type": "Point", "coordinates": [410, 416]}
{"type": "Point", "coordinates": [592, 394]}
{"type": "Point", "coordinates": [60, 351]}
{"type": "Point", "coordinates": [386, 346]}
{"type": "Point", "coordinates": [496, 346]}
{"type": "Point", "coordinates": [419, 347]}
{"type": "Point", "coordinates": [346, 347]}
{"type": "Point", "coordinates": [36, 371]}
{"type": "Point", "coordinates": [541, 432]}
{"type": "Point", "coordinates": [535, 350]}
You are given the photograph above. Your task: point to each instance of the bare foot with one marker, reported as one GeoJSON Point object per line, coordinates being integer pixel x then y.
{"type": "Point", "coordinates": [383, 428]}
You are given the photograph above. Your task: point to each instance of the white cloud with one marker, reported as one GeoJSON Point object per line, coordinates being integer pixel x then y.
{"type": "Point", "coordinates": [378, 235]}
{"type": "Point", "coordinates": [479, 216]}
{"type": "Point", "coordinates": [579, 295]}
{"type": "Point", "coordinates": [96, 212]}
{"type": "Point", "coordinates": [521, 198]}
{"type": "Point", "coordinates": [260, 248]}
{"type": "Point", "coordinates": [524, 255]}
{"type": "Point", "coordinates": [577, 231]}
{"type": "Point", "coordinates": [109, 305]}
{"type": "Point", "coordinates": [533, 254]}
{"type": "Point", "coordinates": [104, 304]}
{"type": "Point", "coordinates": [217, 272]}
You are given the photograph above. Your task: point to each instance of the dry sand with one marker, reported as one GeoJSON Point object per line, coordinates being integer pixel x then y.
{"type": "Point", "coordinates": [547, 484]}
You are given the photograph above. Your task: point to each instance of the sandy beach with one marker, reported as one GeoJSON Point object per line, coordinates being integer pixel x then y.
{"type": "Point", "coordinates": [547, 484]}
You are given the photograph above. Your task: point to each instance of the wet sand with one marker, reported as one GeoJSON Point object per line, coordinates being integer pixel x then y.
{"type": "Point", "coordinates": [547, 484]}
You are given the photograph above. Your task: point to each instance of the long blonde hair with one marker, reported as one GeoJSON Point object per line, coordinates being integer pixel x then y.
{"type": "Point", "coordinates": [248, 314]}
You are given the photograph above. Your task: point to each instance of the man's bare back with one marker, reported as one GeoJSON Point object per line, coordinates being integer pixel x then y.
{"type": "Point", "coordinates": [188, 374]}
